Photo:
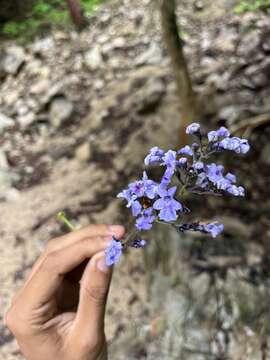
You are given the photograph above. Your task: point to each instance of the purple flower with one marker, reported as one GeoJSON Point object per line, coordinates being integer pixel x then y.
{"type": "Point", "coordinates": [193, 128]}
{"type": "Point", "coordinates": [186, 150]}
{"type": "Point", "coordinates": [214, 172]}
{"type": "Point", "coordinates": [155, 156]}
{"type": "Point", "coordinates": [113, 252]}
{"type": "Point", "coordinates": [202, 181]}
{"type": "Point", "coordinates": [138, 243]}
{"type": "Point", "coordinates": [167, 205]}
{"type": "Point", "coordinates": [145, 221]}
{"type": "Point", "coordinates": [236, 190]}
{"type": "Point", "coordinates": [140, 188]}
{"type": "Point", "coordinates": [240, 146]}
{"type": "Point", "coordinates": [169, 158]}
{"type": "Point", "coordinates": [244, 146]}
{"type": "Point", "coordinates": [150, 186]}
{"type": "Point", "coordinates": [125, 194]}
{"type": "Point", "coordinates": [132, 202]}
{"type": "Point", "coordinates": [135, 206]}
{"type": "Point", "coordinates": [213, 228]}
{"type": "Point", "coordinates": [170, 161]}
{"type": "Point", "coordinates": [223, 132]}
{"type": "Point", "coordinates": [212, 136]}
{"type": "Point", "coordinates": [230, 177]}
{"type": "Point", "coordinates": [199, 165]}
{"type": "Point", "coordinates": [182, 162]}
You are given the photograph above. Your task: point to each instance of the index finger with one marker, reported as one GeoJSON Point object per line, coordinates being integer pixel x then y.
{"type": "Point", "coordinates": [50, 272]}
{"type": "Point", "coordinates": [90, 231]}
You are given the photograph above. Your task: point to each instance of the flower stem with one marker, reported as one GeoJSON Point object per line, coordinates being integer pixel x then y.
{"type": "Point", "coordinates": [183, 189]}
{"type": "Point", "coordinates": [130, 238]}
{"type": "Point", "coordinates": [62, 217]}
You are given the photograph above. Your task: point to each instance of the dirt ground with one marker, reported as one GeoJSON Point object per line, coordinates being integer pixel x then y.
{"type": "Point", "coordinates": [121, 105]}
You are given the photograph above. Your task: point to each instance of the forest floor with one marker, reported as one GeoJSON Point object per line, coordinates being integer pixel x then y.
{"type": "Point", "coordinates": [78, 113]}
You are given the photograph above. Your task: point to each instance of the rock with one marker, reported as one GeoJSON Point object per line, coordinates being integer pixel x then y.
{"type": "Point", "coordinates": [84, 152]}
{"type": "Point", "coordinates": [249, 46]}
{"type": "Point", "coordinates": [61, 110]}
{"type": "Point", "coordinates": [12, 60]}
{"type": "Point", "coordinates": [42, 46]}
{"type": "Point", "coordinates": [119, 43]}
{"type": "Point", "coordinates": [152, 56]}
{"type": "Point", "coordinates": [229, 113]}
{"type": "Point", "coordinates": [26, 119]}
{"type": "Point", "coordinates": [93, 58]}
{"type": "Point", "coordinates": [255, 77]}
{"type": "Point", "coordinates": [226, 40]}
{"type": "Point", "coordinates": [6, 177]}
{"type": "Point", "coordinates": [265, 154]}
{"type": "Point", "coordinates": [265, 41]}
{"type": "Point", "coordinates": [5, 181]}
{"type": "Point", "coordinates": [149, 97]}
{"type": "Point", "coordinates": [3, 161]}
{"type": "Point", "coordinates": [40, 87]}
{"type": "Point", "coordinates": [198, 5]}
{"type": "Point", "coordinates": [5, 122]}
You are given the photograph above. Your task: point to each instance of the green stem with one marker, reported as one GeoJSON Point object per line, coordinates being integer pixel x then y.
{"type": "Point", "coordinates": [183, 189]}
{"type": "Point", "coordinates": [130, 238]}
{"type": "Point", "coordinates": [62, 217]}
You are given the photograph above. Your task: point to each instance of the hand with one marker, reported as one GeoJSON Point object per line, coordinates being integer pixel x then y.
{"type": "Point", "coordinates": [59, 312]}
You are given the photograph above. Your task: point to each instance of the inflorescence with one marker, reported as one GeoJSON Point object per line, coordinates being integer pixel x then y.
{"type": "Point", "coordinates": [151, 201]}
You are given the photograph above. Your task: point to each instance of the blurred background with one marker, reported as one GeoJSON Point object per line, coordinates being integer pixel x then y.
{"type": "Point", "coordinates": [86, 88]}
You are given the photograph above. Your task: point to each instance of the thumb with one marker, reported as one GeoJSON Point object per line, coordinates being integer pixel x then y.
{"type": "Point", "coordinates": [94, 289]}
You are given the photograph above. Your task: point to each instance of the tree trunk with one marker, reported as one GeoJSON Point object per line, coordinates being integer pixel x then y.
{"type": "Point", "coordinates": [76, 13]}
{"type": "Point", "coordinates": [187, 96]}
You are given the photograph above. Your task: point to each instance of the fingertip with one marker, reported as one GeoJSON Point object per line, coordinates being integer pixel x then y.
{"type": "Point", "coordinates": [117, 230]}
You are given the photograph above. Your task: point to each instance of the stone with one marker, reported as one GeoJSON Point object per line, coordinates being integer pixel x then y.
{"type": "Point", "coordinates": [198, 5]}
{"type": "Point", "coordinates": [149, 97]}
{"type": "Point", "coordinates": [256, 76]}
{"type": "Point", "coordinates": [265, 154]}
{"type": "Point", "coordinates": [84, 152]}
{"type": "Point", "coordinates": [152, 56]}
{"type": "Point", "coordinates": [119, 43]}
{"type": "Point", "coordinates": [40, 87]}
{"type": "Point", "coordinates": [3, 161]}
{"type": "Point", "coordinates": [5, 122]}
{"type": "Point", "coordinates": [93, 58]}
{"type": "Point", "coordinates": [249, 45]}
{"type": "Point", "coordinates": [226, 40]}
{"type": "Point", "coordinates": [61, 110]}
{"type": "Point", "coordinates": [13, 59]}
{"type": "Point", "coordinates": [5, 181]}
{"type": "Point", "coordinates": [229, 113]}
{"type": "Point", "coordinates": [26, 120]}
{"type": "Point", "coordinates": [42, 46]}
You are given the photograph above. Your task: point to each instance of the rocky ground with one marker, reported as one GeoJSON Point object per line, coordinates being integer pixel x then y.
{"type": "Point", "coordinates": [77, 115]}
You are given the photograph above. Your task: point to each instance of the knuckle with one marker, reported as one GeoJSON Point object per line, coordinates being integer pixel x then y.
{"type": "Point", "coordinates": [50, 261]}
{"type": "Point", "coordinates": [96, 294]}
{"type": "Point", "coordinates": [11, 321]}
{"type": "Point", "coordinates": [52, 245]}
{"type": "Point", "coordinates": [17, 323]}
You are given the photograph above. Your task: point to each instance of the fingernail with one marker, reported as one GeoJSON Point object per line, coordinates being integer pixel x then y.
{"type": "Point", "coordinates": [101, 265]}
{"type": "Point", "coordinates": [116, 229]}
{"type": "Point", "coordinates": [107, 240]}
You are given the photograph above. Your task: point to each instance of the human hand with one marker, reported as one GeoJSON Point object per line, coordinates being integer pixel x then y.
{"type": "Point", "coordinates": [59, 312]}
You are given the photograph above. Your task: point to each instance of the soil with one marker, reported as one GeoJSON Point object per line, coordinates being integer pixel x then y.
{"type": "Point", "coordinates": [121, 108]}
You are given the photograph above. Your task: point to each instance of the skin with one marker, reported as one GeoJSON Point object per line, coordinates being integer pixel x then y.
{"type": "Point", "coordinates": [59, 311]}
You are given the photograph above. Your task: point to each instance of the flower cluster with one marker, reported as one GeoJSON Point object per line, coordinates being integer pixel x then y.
{"type": "Point", "coordinates": [161, 201]}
